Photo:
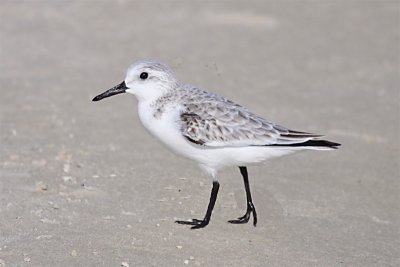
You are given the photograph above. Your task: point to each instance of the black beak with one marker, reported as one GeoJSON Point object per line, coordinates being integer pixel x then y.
{"type": "Point", "coordinates": [118, 89]}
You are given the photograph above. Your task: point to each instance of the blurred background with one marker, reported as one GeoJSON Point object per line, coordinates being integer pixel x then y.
{"type": "Point", "coordinates": [82, 183]}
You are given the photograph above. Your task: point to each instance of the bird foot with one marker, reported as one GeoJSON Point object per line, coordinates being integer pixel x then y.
{"type": "Point", "coordinates": [195, 222]}
{"type": "Point", "coordinates": [246, 217]}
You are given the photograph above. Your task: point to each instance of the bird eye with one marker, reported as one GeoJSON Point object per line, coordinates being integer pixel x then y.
{"type": "Point", "coordinates": [144, 75]}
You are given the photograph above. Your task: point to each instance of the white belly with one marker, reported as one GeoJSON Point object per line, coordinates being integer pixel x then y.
{"type": "Point", "coordinates": [166, 128]}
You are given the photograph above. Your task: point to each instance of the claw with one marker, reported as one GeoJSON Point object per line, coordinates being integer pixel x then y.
{"type": "Point", "coordinates": [195, 222]}
{"type": "Point", "coordinates": [246, 217]}
{"type": "Point", "coordinates": [202, 223]}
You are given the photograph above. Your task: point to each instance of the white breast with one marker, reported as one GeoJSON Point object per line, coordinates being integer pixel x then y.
{"type": "Point", "coordinates": [165, 128]}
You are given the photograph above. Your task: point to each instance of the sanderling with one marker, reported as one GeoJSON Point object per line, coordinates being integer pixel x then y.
{"type": "Point", "coordinates": [208, 128]}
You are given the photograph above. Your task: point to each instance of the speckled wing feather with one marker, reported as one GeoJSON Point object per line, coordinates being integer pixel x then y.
{"type": "Point", "coordinates": [211, 120]}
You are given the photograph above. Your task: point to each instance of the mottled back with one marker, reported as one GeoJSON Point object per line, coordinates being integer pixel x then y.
{"type": "Point", "coordinates": [212, 120]}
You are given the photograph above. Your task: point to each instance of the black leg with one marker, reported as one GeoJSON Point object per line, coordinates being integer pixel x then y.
{"type": "Point", "coordinates": [202, 223]}
{"type": "Point", "coordinates": [250, 206]}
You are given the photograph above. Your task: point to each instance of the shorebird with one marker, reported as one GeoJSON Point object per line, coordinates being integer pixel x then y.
{"type": "Point", "coordinates": [208, 128]}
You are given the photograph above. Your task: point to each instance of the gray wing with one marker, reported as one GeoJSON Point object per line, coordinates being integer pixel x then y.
{"type": "Point", "coordinates": [211, 120]}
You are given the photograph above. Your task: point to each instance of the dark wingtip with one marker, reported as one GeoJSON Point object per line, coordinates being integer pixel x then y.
{"type": "Point", "coordinates": [332, 144]}
{"type": "Point", "coordinates": [316, 143]}
{"type": "Point", "coordinates": [320, 143]}
{"type": "Point", "coordinates": [335, 145]}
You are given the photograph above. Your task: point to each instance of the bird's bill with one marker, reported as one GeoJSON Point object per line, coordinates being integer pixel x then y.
{"type": "Point", "coordinates": [118, 89]}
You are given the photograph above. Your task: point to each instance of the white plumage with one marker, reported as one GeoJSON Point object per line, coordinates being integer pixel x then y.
{"type": "Point", "coordinates": [208, 128]}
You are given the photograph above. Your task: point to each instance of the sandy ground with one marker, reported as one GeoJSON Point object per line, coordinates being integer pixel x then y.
{"type": "Point", "coordinates": [83, 184]}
